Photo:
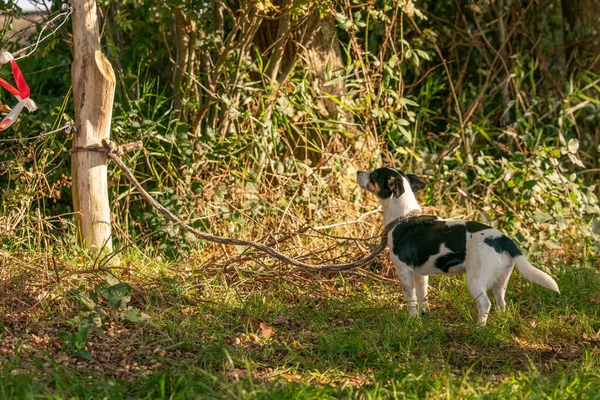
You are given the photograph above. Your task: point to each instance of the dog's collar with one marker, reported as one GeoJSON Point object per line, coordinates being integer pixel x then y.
{"type": "Point", "coordinates": [410, 215]}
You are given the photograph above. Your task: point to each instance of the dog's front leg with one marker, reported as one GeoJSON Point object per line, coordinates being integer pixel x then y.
{"type": "Point", "coordinates": [407, 279]}
{"type": "Point", "coordinates": [421, 286]}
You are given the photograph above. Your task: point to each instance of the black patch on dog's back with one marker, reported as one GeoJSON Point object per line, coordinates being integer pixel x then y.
{"type": "Point", "coordinates": [473, 227]}
{"type": "Point", "coordinates": [417, 239]}
{"type": "Point", "coordinates": [503, 244]}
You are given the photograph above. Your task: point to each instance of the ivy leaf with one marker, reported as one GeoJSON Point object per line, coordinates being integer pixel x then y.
{"type": "Point", "coordinates": [541, 217]}
{"type": "Point", "coordinates": [592, 209]}
{"type": "Point", "coordinates": [405, 132]}
{"type": "Point", "coordinates": [552, 244]}
{"type": "Point", "coordinates": [80, 337]}
{"type": "Point", "coordinates": [529, 184]}
{"type": "Point", "coordinates": [573, 146]}
{"type": "Point", "coordinates": [82, 354]}
{"type": "Point", "coordinates": [555, 153]}
{"type": "Point", "coordinates": [76, 343]}
{"type": "Point", "coordinates": [458, 157]}
{"type": "Point", "coordinates": [116, 291]}
{"type": "Point", "coordinates": [83, 298]}
{"type": "Point", "coordinates": [575, 160]}
{"type": "Point", "coordinates": [423, 54]}
{"type": "Point", "coordinates": [136, 316]}
{"type": "Point", "coordinates": [573, 198]}
{"type": "Point", "coordinates": [343, 22]}
{"type": "Point", "coordinates": [111, 280]}
{"type": "Point", "coordinates": [596, 226]}
{"type": "Point", "coordinates": [117, 295]}
{"type": "Point", "coordinates": [562, 222]}
{"type": "Point", "coordinates": [285, 106]}
{"type": "Point", "coordinates": [66, 338]}
{"type": "Point", "coordinates": [561, 139]}
{"type": "Point", "coordinates": [408, 102]}
{"type": "Point", "coordinates": [416, 60]}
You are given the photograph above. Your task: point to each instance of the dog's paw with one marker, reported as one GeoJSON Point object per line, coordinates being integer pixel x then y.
{"type": "Point", "coordinates": [413, 313]}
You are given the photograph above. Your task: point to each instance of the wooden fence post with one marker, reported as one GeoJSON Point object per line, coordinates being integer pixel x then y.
{"type": "Point", "coordinates": [93, 94]}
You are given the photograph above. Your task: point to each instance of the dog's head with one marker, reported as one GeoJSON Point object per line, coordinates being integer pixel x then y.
{"type": "Point", "coordinates": [387, 182]}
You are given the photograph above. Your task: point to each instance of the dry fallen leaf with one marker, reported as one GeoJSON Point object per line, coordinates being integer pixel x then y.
{"type": "Point", "coordinates": [266, 331]}
{"type": "Point", "coordinates": [251, 321]}
{"type": "Point", "coordinates": [279, 320]}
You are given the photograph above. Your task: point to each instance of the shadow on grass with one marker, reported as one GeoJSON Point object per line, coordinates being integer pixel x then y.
{"type": "Point", "coordinates": [280, 345]}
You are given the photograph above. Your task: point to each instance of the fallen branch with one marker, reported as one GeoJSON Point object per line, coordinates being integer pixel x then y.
{"type": "Point", "coordinates": [112, 154]}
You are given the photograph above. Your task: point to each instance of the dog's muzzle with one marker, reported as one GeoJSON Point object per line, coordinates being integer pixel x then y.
{"type": "Point", "coordinates": [363, 178]}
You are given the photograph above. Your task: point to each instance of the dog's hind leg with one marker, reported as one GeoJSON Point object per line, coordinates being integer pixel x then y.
{"type": "Point", "coordinates": [499, 288]}
{"type": "Point", "coordinates": [478, 290]}
{"type": "Point", "coordinates": [421, 286]}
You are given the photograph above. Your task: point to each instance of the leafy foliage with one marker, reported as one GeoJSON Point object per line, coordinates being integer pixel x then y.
{"type": "Point", "coordinates": [236, 132]}
{"type": "Point", "coordinates": [255, 117]}
{"type": "Point", "coordinates": [98, 305]}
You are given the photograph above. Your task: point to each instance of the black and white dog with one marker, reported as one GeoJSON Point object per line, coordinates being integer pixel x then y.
{"type": "Point", "coordinates": [427, 245]}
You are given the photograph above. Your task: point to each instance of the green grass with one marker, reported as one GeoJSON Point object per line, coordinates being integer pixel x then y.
{"type": "Point", "coordinates": [340, 338]}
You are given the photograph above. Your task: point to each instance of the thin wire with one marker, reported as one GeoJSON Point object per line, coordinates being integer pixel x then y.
{"type": "Point", "coordinates": [67, 13]}
{"type": "Point", "coordinates": [31, 24]}
{"type": "Point", "coordinates": [68, 127]}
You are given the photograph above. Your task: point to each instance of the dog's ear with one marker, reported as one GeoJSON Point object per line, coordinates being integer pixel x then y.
{"type": "Point", "coordinates": [395, 185]}
{"type": "Point", "coordinates": [415, 183]}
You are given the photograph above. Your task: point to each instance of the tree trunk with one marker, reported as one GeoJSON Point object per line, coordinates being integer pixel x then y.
{"type": "Point", "coordinates": [581, 27]}
{"type": "Point", "coordinates": [314, 44]}
{"type": "Point", "coordinates": [323, 59]}
{"type": "Point", "coordinates": [505, 118]}
{"type": "Point", "coordinates": [185, 42]}
{"type": "Point", "coordinates": [93, 92]}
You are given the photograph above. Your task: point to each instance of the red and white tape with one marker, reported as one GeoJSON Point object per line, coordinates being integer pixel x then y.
{"type": "Point", "coordinates": [21, 92]}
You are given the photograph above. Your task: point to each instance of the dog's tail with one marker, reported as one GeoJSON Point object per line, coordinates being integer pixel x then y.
{"type": "Point", "coordinates": [533, 274]}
